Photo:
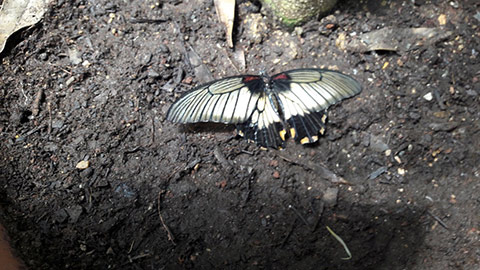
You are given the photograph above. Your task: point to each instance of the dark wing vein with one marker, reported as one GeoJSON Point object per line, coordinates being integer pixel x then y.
{"type": "Point", "coordinates": [264, 125]}
{"type": "Point", "coordinates": [229, 100]}
{"type": "Point", "coordinates": [306, 93]}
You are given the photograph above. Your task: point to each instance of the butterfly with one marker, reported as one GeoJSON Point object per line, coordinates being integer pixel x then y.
{"type": "Point", "coordinates": [268, 110]}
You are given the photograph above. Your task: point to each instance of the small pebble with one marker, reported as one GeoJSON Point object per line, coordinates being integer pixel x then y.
{"type": "Point", "coordinates": [83, 164]}
{"type": "Point", "coordinates": [428, 96]}
{"type": "Point", "coordinates": [153, 74]}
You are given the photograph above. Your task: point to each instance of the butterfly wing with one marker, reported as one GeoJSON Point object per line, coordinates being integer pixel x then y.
{"type": "Point", "coordinates": [264, 125]}
{"type": "Point", "coordinates": [230, 100]}
{"type": "Point", "coordinates": [305, 94]}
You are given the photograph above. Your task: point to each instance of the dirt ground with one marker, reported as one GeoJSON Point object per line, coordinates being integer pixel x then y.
{"type": "Point", "coordinates": [396, 175]}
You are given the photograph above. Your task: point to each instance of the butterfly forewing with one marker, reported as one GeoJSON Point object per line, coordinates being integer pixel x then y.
{"type": "Point", "coordinates": [230, 100]}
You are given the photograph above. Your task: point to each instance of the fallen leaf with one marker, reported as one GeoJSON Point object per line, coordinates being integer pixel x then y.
{"type": "Point", "coordinates": [226, 14]}
{"type": "Point", "coordinates": [17, 14]}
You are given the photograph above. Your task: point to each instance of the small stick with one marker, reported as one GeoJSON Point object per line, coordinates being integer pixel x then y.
{"type": "Point", "coordinates": [221, 158]}
{"type": "Point", "coordinates": [230, 60]}
{"type": "Point", "coordinates": [131, 259]}
{"type": "Point", "coordinates": [439, 220]}
{"type": "Point", "coordinates": [298, 214]}
{"type": "Point", "coordinates": [153, 130]}
{"type": "Point", "coordinates": [131, 247]}
{"type": "Point", "coordinates": [148, 20]}
{"type": "Point", "coordinates": [247, 152]}
{"type": "Point", "coordinates": [36, 102]}
{"type": "Point", "coordinates": [288, 234]}
{"type": "Point", "coordinates": [49, 107]}
{"type": "Point", "coordinates": [170, 236]}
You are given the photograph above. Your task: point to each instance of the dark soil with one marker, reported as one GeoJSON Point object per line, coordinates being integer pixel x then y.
{"type": "Point", "coordinates": [396, 175]}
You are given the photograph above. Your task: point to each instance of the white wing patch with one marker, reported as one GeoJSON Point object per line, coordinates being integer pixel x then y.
{"type": "Point", "coordinates": [226, 101]}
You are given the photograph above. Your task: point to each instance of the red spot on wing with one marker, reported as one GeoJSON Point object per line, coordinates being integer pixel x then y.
{"type": "Point", "coordinates": [250, 78]}
{"type": "Point", "coordinates": [282, 76]}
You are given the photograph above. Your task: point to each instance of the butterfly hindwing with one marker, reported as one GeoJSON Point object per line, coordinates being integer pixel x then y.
{"type": "Point", "coordinates": [264, 125]}
{"type": "Point", "coordinates": [305, 94]}
{"type": "Point", "coordinates": [229, 100]}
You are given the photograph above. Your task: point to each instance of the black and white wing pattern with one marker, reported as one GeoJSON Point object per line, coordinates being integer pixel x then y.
{"type": "Point", "coordinates": [305, 94]}
{"type": "Point", "coordinates": [230, 100]}
{"type": "Point", "coordinates": [268, 110]}
{"type": "Point", "coordinates": [264, 125]}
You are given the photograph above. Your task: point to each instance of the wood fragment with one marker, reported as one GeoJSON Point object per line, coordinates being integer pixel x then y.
{"type": "Point", "coordinates": [170, 236]}
{"type": "Point", "coordinates": [50, 121]}
{"type": "Point", "coordinates": [443, 224]}
{"type": "Point", "coordinates": [153, 130]}
{"type": "Point", "coordinates": [298, 214]}
{"type": "Point", "coordinates": [36, 102]}
{"type": "Point", "coordinates": [222, 159]}
{"type": "Point", "coordinates": [284, 241]}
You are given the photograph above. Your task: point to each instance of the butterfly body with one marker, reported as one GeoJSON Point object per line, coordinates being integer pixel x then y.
{"type": "Point", "coordinates": [265, 109]}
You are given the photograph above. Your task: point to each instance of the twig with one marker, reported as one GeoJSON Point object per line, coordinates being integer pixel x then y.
{"type": "Point", "coordinates": [439, 220]}
{"type": "Point", "coordinates": [131, 247]}
{"type": "Point", "coordinates": [131, 259]}
{"type": "Point", "coordinates": [249, 177]}
{"type": "Point", "coordinates": [319, 215]}
{"type": "Point", "coordinates": [30, 132]}
{"type": "Point", "coordinates": [153, 130]}
{"type": "Point", "coordinates": [147, 20]}
{"type": "Point", "coordinates": [298, 214]}
{"type": "Point", "coordinates": [230, 60]}
{"type": "Point", "coordinates": [36, 102]}
{"type": "Point", "coordinates": [288, 234]}
{"type": "Point", "coordinates": [170, 236]}
{"type": "Point", "coordinates": [247, 152]}
{"type": "Point", "coordinates": [222, 159]}
{"type": "Point", "coordinates": [49, 108]}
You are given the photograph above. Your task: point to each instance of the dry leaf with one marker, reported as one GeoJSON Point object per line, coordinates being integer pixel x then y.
{"type": "Point", "coordinates": [226, 14]}
{"type": "Point", "coordinates": [17, 14]}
